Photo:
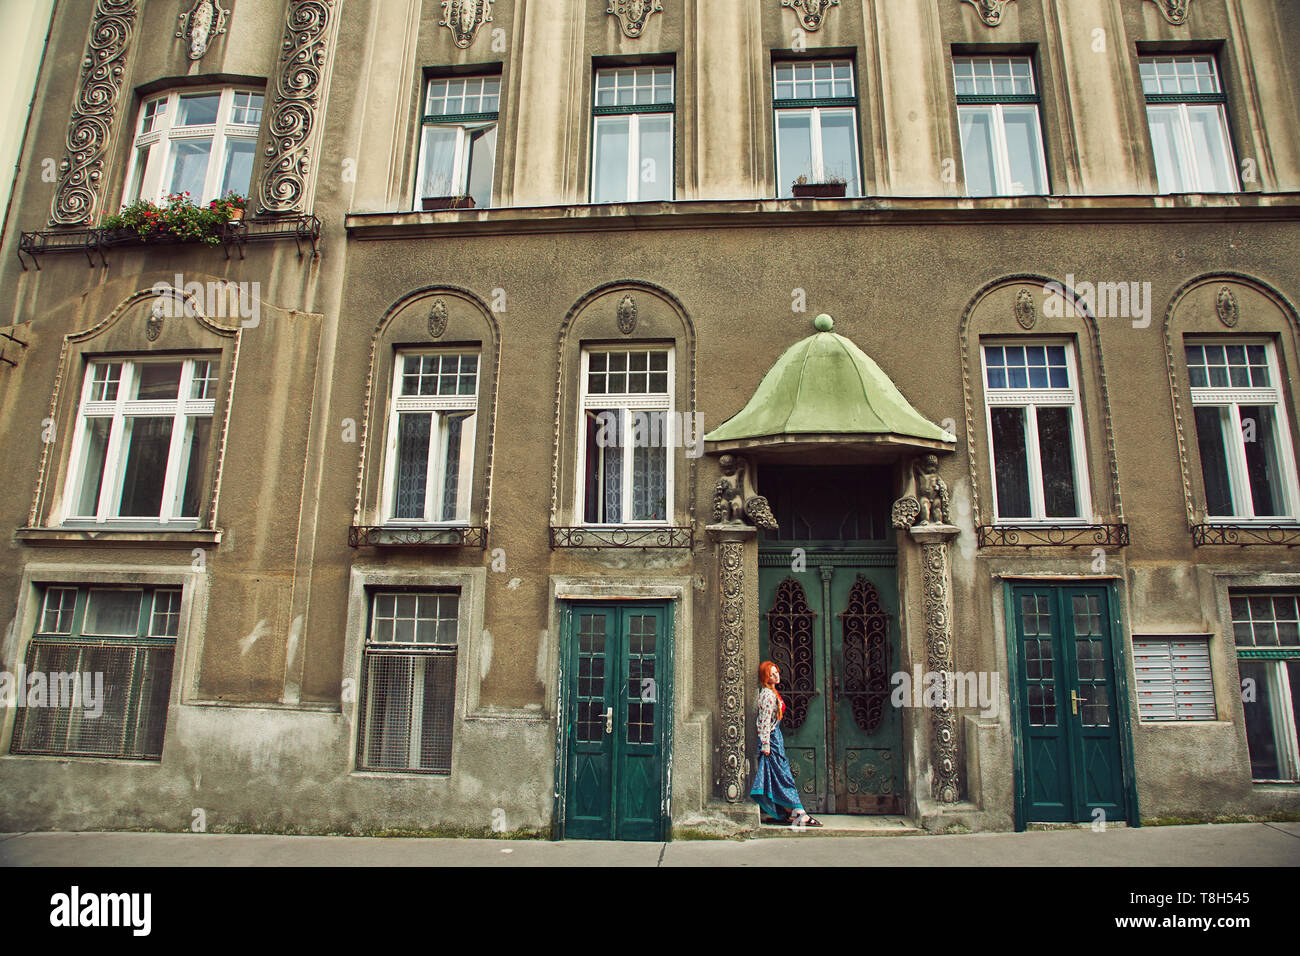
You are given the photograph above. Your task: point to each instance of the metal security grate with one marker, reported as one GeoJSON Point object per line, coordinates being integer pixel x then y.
{"type": "Point", "coordinates": [407, 704]}
{"type": "Point", "coordinates": [100, 700]}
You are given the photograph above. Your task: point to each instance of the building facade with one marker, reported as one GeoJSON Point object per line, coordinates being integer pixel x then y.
{"type": "Point", "coordinates": [571, 358]}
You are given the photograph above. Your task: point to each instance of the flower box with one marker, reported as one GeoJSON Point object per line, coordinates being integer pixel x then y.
{"type": "Point", "coordinates": [429, 203]}
{"type": "Point", "coordinates": [818, 190]}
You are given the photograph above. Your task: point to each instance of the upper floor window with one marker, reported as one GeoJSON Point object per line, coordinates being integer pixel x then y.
{"type": "Point", "coordinates": [141, 443]}
{"type": "Point", "coordinates": [625, 469]}
{"type": "Point", "coordinates": [431, 427]}
{"type": "Point", "coordinates": [201, 143]}
{"type": "Point", "coordinates": [632, 135]}
{"type": "Point", "coordinates": [1241, 429]}
{"type": "Point", "coordinates": [1187, 113]}
{"type": "Point", "coordinates": [107, 654]}
{"type": "Point", "coordinates": [816, 111]}
{"type": "Point", "coordinates": [1036, 433]}
{"type": "Point", "coordinates": [458, 141]}
{"type": "Point", "coordinates": [997, 111]}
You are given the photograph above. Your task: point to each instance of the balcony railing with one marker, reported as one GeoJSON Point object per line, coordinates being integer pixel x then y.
{"type": "Point", "coordinates": [1242, 535]}
{"type": "Point", "coordinates": [396, 536]}
{"type": "Point", "coordinates": [1070, 535]}
{"type": "Point", "coordinates": [95, 243]}
{"type": "Point", "coordinates": [589, 537]}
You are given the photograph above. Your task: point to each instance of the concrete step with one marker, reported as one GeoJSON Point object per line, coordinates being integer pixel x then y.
{"type": "Point", "coordinates": [835, 824]}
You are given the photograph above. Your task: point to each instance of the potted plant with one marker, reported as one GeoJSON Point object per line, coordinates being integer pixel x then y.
{"type": "Point", "coordinates": [231, 205]}
{"type": "Point", "coordinates": [135, 223]}
{"type": "Point", "coordinates": [179, 220]}
{"type": "Point", "coordinates": [832, 188]}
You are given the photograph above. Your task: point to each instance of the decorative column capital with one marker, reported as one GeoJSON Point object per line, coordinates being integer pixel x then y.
{"type": "Point", "coordinates": [931, 534]}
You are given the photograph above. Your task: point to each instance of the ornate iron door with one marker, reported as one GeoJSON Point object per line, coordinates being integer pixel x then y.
{"type": "Point", "coordinates": [1068, 714]}
{"type": "Point", "coordinates": [831, 630]}
{"type": "Point", "coordinates": [616, 723]}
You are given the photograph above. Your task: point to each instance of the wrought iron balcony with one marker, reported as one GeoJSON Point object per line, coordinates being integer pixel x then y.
{"type": "Point", "coordinates": [1242, 535]}
{"type": "Point", "coordinates": [303, 230]}
{"type": "Point", "coordinates": [615, 537]}
{"type": "Point", "coordinates": [1053, 535]}
{"type": "Point", "coordinates": [396, 536]}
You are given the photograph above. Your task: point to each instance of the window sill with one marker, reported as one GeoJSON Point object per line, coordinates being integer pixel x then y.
{"type": "Point", "coordinates": [757, 212]}
{"type": "Point", "coordinates": [1052, 535]}
{"type": "Point", "coordinates": [417, 536]}
{"type": "Point", "coordinates": [623, 536]}
{"type": "Point", "coordinates": [1242, 534]}
{"type": "Point", "coordinates": [134, 537]}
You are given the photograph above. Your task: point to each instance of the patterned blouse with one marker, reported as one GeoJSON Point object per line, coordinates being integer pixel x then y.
{"type": "Point", "coordinates": [768, 716]}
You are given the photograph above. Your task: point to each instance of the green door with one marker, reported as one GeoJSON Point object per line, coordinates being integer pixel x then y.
{"type": "Point", "coordinates": [1067, 712]}
{"type": "Point", "coordinates": [615, 723]}
{"type": "Point", "coordinates": [828, 594]}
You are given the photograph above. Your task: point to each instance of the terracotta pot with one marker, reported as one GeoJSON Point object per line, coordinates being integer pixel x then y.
{"type": "Point", "coordinates": [818, 190]}
{"type": "Point", "coordinates": [447, 202]}
{"type": "Point", "coordinates": [236, 215]}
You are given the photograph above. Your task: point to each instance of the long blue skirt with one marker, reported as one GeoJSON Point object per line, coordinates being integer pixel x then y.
{"type": "Point", "coordinates": [774, 786]}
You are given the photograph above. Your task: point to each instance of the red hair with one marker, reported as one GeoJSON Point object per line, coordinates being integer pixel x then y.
{"type": "Point", "coordinates": [765, 679]}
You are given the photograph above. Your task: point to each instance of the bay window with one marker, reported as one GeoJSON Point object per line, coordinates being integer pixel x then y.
{"type": "Point", "coordinates": [198, 142]}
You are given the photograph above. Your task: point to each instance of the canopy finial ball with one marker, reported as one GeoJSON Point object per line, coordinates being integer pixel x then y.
{"type": "Point", "coordinates": [823, 323]}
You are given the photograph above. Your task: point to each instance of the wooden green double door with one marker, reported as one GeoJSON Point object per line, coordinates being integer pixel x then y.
{"type": "Point", "coordinates": [832, 629]}
{"type": "Point", "coordinates": [1070, 712]}
{"type": "Point", "coordinates": [616, 691]}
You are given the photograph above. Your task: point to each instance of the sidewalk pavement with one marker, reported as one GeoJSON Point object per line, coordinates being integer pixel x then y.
{"type": "Point", "coordinates": [1235, 844]}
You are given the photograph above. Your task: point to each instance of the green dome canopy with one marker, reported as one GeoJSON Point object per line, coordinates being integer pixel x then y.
{"type": "Point", "coordinates": [825, 389]}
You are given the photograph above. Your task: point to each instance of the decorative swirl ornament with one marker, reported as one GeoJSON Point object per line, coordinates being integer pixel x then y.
{"type": "Point", "coordinates": [464, 17]}
{"type": "Point", "coordinates": [204, 23]}
{"type": "Point", "coordinates": [89, 129]}
{"type": "Point", "coordinates": [811, 12]}
{"type": "Point", "coordinates": [731, 666]}
{"type": "Point", "coordinates": [300, 75]}
{"type": "Point", "coordinates": [990, 11]}
{"type": "Point", "coordinates": [1175, 11]}
{"type": "Point", "coordinates": [632, 14]}
{"type": "Point", "coordinates": [945, 784]}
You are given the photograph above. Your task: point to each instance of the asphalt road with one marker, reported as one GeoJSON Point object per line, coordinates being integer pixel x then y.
{"type": "Point", "coordinates": [1238, 844]}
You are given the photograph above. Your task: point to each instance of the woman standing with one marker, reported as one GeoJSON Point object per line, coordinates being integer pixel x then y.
{"type": "Point", "coordinates": [774, 786]}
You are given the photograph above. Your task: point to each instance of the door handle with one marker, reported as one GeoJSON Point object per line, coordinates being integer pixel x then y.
{"type": "Point", "coordinates": [1074, 701]}
{"type": "Point", "coordinates": [609, 720]}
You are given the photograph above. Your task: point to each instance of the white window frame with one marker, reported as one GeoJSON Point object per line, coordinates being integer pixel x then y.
{"type": "Point", "coordinates": [1189, 170]}
{"type": "Point", "coordinates": [438, 406]}
{"type": "Point", "coordinates": [144, 180]}
{"type": "Point", "coordinates": [1001, 152]}
{"type": "Point", "coordinates": [1286, 735]}
{"type": "Point", "coordinates": [118, 410]}
{"type": "Point", "coordinates": [1033, 398]}
{"type": "Point", "coordinates": [818, 159]}
{"type": "Point", "coordinates": [1234, 398]}
{"type": "Point", "coordinates": [460, 158]}
{"type": "Point", "coordinates": [634, 132]}
{"type": "Point", "coordinates": [627, 402]}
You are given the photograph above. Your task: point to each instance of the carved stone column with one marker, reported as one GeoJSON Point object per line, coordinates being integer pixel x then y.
{"type": "Point", "coordinates": [945, 783]}
{"type": "Point", "coordinates": [730, 541]}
